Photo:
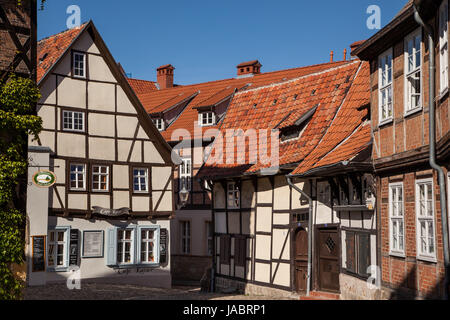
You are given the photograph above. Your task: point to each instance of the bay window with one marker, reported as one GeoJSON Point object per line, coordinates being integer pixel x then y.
{"type": "Point", "coordinates": [413, 71]}
{"type": "Point", "coordinates": [426, 239]}
{"type": "Point", "coordinates": [397, 222]}
{"type": "Point", "coordinates": [385, 92]}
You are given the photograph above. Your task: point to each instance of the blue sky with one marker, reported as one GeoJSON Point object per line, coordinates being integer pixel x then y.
{"type": "Point", "coordinates": [205, 39]}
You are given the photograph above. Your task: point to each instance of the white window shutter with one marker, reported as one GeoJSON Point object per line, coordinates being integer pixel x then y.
{"type": "Point", "coordinates": [111, 255]}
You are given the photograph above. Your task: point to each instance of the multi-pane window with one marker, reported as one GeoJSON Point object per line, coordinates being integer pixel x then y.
{"type": "Point", "coordinates": [57, 249]}
{"type": "Point", "coordinates": [100, 178]}
{"type": "Point", "coordinates": [185, 237]}
{"type": "Point", "coordinates": [78, 177]}
{"type": "Point", "coordinates": [148, 244]}
{"type": "Point", "coordinates": [140, 180]}
{"type": "Point", "coordinates": [358, 253]}
{"type": "Point", "coordinates": [125, 246]}
{"type": "Point", "coordinates": [443, 45]}
{"type": "Point", "coordinates": [209, 238]}
{"type": "Point", "coordinates": [159, 123]}
{"type": "Point", "coordinates": [79, 64]}
{"type": "Point", "coordinates": [413, 74]}
{"type": "Point", "coordinates": [385, 79]}
{"type": "Point", "coordinates": [425, 219]}
{"type": "Point", "coordinates": [207, 119]}
{"type": "Point", "coordinates": [323, 193]}
{"type": "Point", "coordinates": [73, 121]}
{"type": "Point", "coordinates": [186, 174]}
{"type": "Point", "coordinates": [233, 195]}
{"type": "Point", "coordinates": [396, 212]}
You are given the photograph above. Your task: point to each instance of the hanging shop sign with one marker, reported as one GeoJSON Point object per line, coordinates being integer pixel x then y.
{"type": "Point", "coordinates": [111, 212]}
{"type": "Point", "coordinates": [44, 179]}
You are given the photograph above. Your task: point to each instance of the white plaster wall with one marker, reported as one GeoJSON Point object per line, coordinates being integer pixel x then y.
{"type": "Point", "coordinates": [121, 199]}
{"type": "Point", "coordinates": [85, 44]}
{"type": "Point", "coordinates": [71, 145]}
{"type": "Point", "coordinates": [221, 222]}
{"type": "Point", "coordinates": [162, 178]}
{"type": "Point", "coordinates": [263, 245]}
{"type": "Point", "coordinates": [101, 124]}
{"type": "Point", "coordinates": [282, 275]}
{"type": "Point", "coordinates": [99, 70]}
{"type": "Point", "coordinates": [151, 154]}
{"type": "Point", "coordinates": [262, 272]}
{"type": "Point", "coordinates": [219, 196]}
{"type": "Point", "coordinates": [264, 190]}
{"type": "Point", "coordinates": [281, 244]}
{"type": "Point", "coordinates": [126, 126]}
{"type": "Point", "coordinates": [198, 221]}
{"type": "Point", "coordinates": [233, 223]}
{"type": "Point", "coordinates": [123, 103]}
{"type": "Point", "coordinates": [282, 194]}
{"type": "Point", "coordinates": [101, 96]}
{"type": "Point", "coordinates": [48, 91]}
{"type": "Point", "coordinates": [248, 194]}
{"type": "Point", "coordinates": [102, 149]}
{"type": "Point", "coordinates": [141, 204]}
{"type": "Point", "coordinates": [298, 201]}
{"type": "Point", "coordinates": [47, 114]}
{"type": "Point", "coordinates": [71, 92]}
{"type": "Point", "coordinates": [264, 219]}
{"type": "Point", "coordinates": [96, 268]}
{"type": "Point", "coordinates": [121, 176]}
{"type": "Point", "coordinates": [165, 199]}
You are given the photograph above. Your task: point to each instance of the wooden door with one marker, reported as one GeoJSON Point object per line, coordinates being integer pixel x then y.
{"type": "Point", "coordinates": [301, 259]}
{"type": "Point", "coordinates": [328, 251]}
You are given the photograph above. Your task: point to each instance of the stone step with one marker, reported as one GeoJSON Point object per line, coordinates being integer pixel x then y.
{"type": "Point", "coordinates": [318, 295]}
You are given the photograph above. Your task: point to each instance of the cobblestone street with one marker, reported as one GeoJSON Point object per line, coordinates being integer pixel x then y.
{"type": "Point", "coordinates": [90, 291]}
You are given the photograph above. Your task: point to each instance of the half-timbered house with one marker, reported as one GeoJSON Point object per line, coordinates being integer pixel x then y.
{"type": "Point", "coordinates": [100, 197]}
{"type": "Point", "coordinates": [411, 130]}
{"type": "Point", "coordinates": [190, 114]}
{"type": "Point", "coordinates": [314, 205]}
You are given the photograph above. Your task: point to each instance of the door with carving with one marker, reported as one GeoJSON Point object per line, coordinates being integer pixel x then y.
{"type": "Point", "coordinates": [328, 251]}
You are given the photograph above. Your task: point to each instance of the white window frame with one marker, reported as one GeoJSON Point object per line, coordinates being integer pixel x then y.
{"type": "Point", "coordinates": [427, 256]}
{"type": "Point", "coordinates": [100, 175]}
{"type": "Point", "coordinates": [77, 174]}
{"type": "Point", "coordinates": [233, 195]}
{"type": "Point", "coordinates": [139, 176]}
{"type": "Point", "coordinates": [207, 118]}
{"type": "Point", "coordinates": [409, 109]}
{"type": "Point", "coordinates": [122, 242]}
{"type": "Point", "coordinates": [159, 124]}
{"type": "Point", "coordinates": [387, 86]}
{"type": "Point", "coordinates": [186, 237]}
{"type": "Point", "coordinates": [156, 243]}
{"type": "Point", "coordinates": [186, 173]}
{"type": "Point", "coordinates": [70, 116]}
{"type": "Point", "coordinates": [75, 68]}
{"type": "Point", "coordinates": [443, 47]}
{"type": "Point", "coordinates": [397, 207]}
{"type": "Point", "coordinates": [56, 243]}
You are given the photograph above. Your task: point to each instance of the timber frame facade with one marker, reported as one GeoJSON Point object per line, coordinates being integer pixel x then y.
{"type": "Point", "coordinates": [108, 214]}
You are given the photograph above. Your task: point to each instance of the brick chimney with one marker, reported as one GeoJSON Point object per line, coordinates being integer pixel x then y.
{"type": "Point", "coordinates": [165, 76]}
{"type": "Point", "coordinates": [331, 56]}
{"type": "Point", "coordinates": [249, 68]}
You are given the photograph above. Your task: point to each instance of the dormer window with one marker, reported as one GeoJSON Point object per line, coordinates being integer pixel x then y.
{"type": "Point", "coordinates": [207, 119]}
{"type": "Point", "coordinates": [159, 124]}
{"type": "Point", "coordinates": [79, 65]}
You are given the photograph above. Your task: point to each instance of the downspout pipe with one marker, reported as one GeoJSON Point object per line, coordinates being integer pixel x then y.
{"type": "Point", "coordinates": [213, 222]}
{"type": "Point", "coordinates": [310, 232]}
{"type": "Point", "coordinates": [433, 162]}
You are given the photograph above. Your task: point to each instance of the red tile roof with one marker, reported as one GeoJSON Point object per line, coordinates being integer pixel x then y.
{"type": "Point", "coordinates": [142, 86]}
{"type": "Point", "coordinates": [50, 49]}
{"type": "Point", "coordinates": [216, 91]}
{"type": "Point", "coordinates": [338, 94]}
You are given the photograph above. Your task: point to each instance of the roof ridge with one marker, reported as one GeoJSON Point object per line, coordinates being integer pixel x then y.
{"type": "Point", "coordinates": [261, 74]}
{"type": "Point", "coordinates": [136, 79]}
{"type": "Point", "coordinates": [298, 78]}
{"type": "Point", "coordinates": [62, 32]}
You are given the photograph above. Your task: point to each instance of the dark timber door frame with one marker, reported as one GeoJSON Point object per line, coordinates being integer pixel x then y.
{"type": "Point", "coordinates": [328, 258]}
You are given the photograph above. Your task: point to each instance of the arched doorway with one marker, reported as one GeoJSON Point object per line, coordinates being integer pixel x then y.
{"type": "Point", "coordinates": [301, 259]}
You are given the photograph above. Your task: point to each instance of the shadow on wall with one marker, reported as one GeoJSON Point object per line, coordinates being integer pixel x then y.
{"type": "Point", "coordinates": [408, 290]}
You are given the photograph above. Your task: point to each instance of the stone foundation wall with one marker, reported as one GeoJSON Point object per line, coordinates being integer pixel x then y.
{"type": "Point", "coordinates": [356, 289]}
{"type": "Point", "coordinates": [189, 268]}
{"type": "Point", "coordinates": [227, 285]}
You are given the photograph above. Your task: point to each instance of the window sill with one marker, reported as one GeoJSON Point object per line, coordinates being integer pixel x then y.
{"type": "Point", "coordinates": [397, 255]}
{"type": "Point", "coordinates": [412, 112]}
{"type": "Point", "coordinates": [443, 94]}
{"type": "Point", "coordinates": [133, 266]}
{"type": "Point", "coordinates": [385, 122]}
{"type": "Point", "coordinates": [58, 270]}
{"type": "Point", "coordinates": [427, 259]}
